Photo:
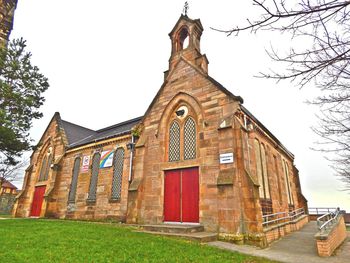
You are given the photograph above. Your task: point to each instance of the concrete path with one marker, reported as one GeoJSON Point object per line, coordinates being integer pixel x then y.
{"type": "Point", "coordinates": [297, 247]}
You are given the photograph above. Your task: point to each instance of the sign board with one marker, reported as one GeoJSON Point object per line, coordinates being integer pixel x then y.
{"type": "Point", "coordinates": [106, 159]}
{"type": "Point", "coordinates": [85, 164]}
{"type": "Point", "coordinates": [226, 158]}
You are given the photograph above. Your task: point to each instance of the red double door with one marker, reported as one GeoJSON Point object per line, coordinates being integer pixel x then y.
{"type": "Point", "coordinates": [38, 199]}
{"type": "Point", "coordinates": [181, 196]}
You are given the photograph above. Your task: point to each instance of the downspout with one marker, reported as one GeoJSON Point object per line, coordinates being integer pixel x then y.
{"type": "Point", "coordinates": [131, 156]}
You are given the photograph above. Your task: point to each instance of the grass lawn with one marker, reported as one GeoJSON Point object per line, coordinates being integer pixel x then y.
{"type": "Point", "coordinates": [30, 240]}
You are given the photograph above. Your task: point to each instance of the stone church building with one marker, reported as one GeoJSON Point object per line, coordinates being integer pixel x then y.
{"type": "Point", "coordinates": [197, 156]}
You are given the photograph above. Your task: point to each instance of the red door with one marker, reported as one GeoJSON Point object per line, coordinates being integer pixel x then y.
{"type": "Point", "coordinates": [181, 196]}
{"type": "Point", "coordinates": [37, 200]}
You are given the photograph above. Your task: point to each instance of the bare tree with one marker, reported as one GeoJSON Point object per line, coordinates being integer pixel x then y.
{"type": "Point", "coordinates": [12, 173]}
{"type": "Point", "coordinates": [325, 24]}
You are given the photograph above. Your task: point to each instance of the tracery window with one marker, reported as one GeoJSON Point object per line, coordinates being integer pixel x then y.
{"type": "Point", "coordinates": [73, 186]}
{"type": "Point", "coordinates": [118, 163]}
{"type": "Point", "coordinates": [47, 169]}
{"type": "Point", "coordinates": [94, 177]}
{"type": "Point", "coordinates": [42, 169]}
{"type": "Point", "coordinates": [182, 140]}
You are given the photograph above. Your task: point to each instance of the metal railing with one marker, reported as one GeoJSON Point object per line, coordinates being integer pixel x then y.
{"type": "Point", "coordinates": [327, 220]}
{"type": "Point", "coordinates": [321, 210]}
{"type": "Point", "coordinates": [282, 217]}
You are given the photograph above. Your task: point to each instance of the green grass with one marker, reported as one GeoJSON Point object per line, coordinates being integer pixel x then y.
{"type": "Point", "coordinates": [347, 228]}
{"type": "Point", "coordinates": [30, 240]}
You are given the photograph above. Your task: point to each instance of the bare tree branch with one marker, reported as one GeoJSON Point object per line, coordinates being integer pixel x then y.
{"type": "Point", "coordinates": [325, 62]}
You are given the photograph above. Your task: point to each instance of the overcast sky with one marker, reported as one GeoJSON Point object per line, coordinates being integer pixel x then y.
{"type": "Point", "coordinates": [105, 61]}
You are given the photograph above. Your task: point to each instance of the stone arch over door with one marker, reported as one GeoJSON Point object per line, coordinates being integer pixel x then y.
{"type": "Point", "coordinates": [187, 169]}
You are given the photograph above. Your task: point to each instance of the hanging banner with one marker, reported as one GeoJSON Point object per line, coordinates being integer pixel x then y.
{"type": "Point", "coordinates": [106, 159]}
{"type": "Point", "coordinates": [85, 165]}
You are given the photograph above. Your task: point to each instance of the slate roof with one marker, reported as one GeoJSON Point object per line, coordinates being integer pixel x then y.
{"type": "Point", "coordinates": [75, 132]}
{"type": "Point", "coordinates": [78, 135]}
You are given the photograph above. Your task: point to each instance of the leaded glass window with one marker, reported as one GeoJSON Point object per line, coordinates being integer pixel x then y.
{"type": "Point", "coordinates": [47, 169]}
{"type": "Point", "coordinates": [174, 142]}
{"type": "Point", "coordinates": [94, 177]}
{"type": "Point", "coordinates": [190, 139]}
{"type": "Point", "coordinates": [43, 168]}
{"type": "Point", "coordinates": [73, 186]}
{"type": "Point", "coordinates": [117, 173]}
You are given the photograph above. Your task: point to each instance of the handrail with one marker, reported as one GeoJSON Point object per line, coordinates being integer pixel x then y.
{"type": "Point", "coordinates": [327, 220]}
{"type": "Point", "coordinates": [285, 216]}
{"type": "Point", "coordinates": [321, 210]}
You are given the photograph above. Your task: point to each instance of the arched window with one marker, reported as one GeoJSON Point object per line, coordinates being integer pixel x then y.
{"type": "Point", "coordinates": [261, 170]}
{"type": "Point", "coordinates": [117, 173]}
{"type": "Point", "coordinates": [190, 139]}
{"type": "Point", "coordinates": [94, 177]}
{"type": "Point", "coordinates": [264, 169]}
{"type": "Point", "coordinates": [73, 186]}
{"type": "Point", "coordinates": [287, 183]}
{"type": "Point", "coordinates": [42, 169]}
{"type": "Point", "coordinates": [174, 142]}
{"type": "Point", "coordinates": [48, 167]}
{"type": "Point", "coordinates": [259, 167]}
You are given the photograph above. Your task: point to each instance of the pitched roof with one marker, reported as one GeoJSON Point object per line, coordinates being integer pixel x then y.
{"type": "Point", "coordinates": [78, 135]}
{"type": "Point", "coordinates": [75, 132]}
{"type": "Point", "coordinates": [7, 184]}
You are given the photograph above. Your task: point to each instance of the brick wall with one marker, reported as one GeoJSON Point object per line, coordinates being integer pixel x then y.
{"type": "Point", "coordinates": [275, 232]}
{"type": "Point", "coordinates": [328, 241]}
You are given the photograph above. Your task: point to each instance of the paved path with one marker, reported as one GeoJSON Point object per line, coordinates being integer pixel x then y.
{"type": "Point", "coordinates": [297, 247]}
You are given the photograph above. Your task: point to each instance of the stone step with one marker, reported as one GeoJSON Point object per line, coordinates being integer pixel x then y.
{"type": "Point", "coordinates": [202, 237]}
{"type": "Point", "coordinates": [170, 228]}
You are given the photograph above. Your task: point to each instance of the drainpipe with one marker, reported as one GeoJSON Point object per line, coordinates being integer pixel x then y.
{"type": "Point", "coordinates": [132, 144]}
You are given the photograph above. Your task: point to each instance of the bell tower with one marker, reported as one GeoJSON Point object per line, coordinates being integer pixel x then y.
{"type": "Point", "coordinates": [185, 43]}
{"type": "Point", "coordinates": [7, 11]}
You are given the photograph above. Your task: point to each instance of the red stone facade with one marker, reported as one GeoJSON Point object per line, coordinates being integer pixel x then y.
{"type": "Point", "coordinates": [259, 179]}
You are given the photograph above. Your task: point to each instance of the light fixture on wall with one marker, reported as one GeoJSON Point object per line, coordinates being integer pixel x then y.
{"type": "Point", "coordinates": [130, 145]}
{"type": "Point", "coordinates": [180, 112]}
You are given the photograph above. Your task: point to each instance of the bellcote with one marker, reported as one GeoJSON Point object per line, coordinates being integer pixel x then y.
{"type": "Point", "coordinates": [185, 43]}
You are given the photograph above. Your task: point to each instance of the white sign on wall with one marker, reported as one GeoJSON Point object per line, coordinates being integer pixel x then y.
{"type": "Point", "coordinates": [226, 158]}
{"type": "Point", "coordinates": [85, 164]}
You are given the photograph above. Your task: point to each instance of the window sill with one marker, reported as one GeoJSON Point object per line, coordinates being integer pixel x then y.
{"type": "Point", "coordinates": [90, 201]}
{"type": "Point", "coordinates": [114, 200]}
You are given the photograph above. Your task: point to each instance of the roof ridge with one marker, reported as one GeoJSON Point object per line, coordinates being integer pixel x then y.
{"type": "Point", "coordinates": [119, 124]}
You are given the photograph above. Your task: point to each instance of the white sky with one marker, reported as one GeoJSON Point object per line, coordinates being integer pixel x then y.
{"type": "Point", "coordinates": [105, 61]}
